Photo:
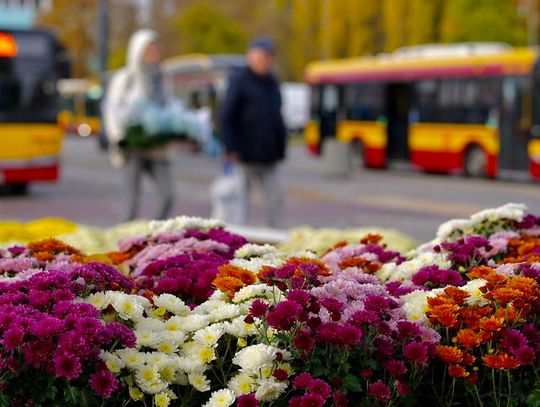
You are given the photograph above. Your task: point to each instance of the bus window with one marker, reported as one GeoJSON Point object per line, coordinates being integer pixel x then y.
{"type": "Point", "coordinates": [329, 110]}
{"type": "Point", "coordinates": [426, 99]}
{"type": "Point", "coordinates": [364, 101]}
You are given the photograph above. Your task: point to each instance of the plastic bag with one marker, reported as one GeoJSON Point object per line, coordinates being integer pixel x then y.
{"type": "Point", "coordinates": [226, 194]}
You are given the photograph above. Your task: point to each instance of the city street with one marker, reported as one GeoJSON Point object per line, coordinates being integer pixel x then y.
{"type": "Point", "coordinates": [90, 191]}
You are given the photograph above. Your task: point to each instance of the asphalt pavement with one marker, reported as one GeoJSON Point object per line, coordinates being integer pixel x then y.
{"type": "Point", "coordinates": [90, 191]}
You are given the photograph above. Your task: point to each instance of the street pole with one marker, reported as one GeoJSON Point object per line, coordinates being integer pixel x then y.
{"type": "Point", "coordinates": [103, 37]}
{"type": "Point", "coordinates": [103, 53]}
{"type": "Point", "coordinates": [532, 22]}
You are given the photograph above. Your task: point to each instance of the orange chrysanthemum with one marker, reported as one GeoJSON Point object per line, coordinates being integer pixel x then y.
{"type": "Point", "coordinates": [501, 361]}
{"type": "Point", "coordinates": [456, 294]}
{"type": "Point", "coordinates": [440, 300]}
{"type": "Point", "coordinates": [367, 266]}
{"type": "Point", "coordinates": [446, 315]}
{"type": "Point", "coordinates": [46, 249]}
{"type": "Point", "coordinates": [468, 338]}
{"type": "Point", "coordinates": [472, 379]}
{"type": "Point", "coordinates": [509, 314]}
{"type": "Point", "coordinates": [470, 316]}
{"type": "Point", "coordinates": [265, 272]}
{"type": "Point", "coordinates": [119, 257]}
{"type": "Point", "coordinates": [457, 371]}
{"type": "Point", "coordinates": [527, 286]}
{"type": "Point", "coordinates": [504, 295]}
{"type": "Point", "coordinates": [449, 354]}
{"type": "Point", "coordinates": [480, 272]}
{"type": "Point", "coordinates": [341, 243]}
{"type": "Point", "coordinates": [468, 359]}
{"type": "Point", "coordinates": [232, 278]}
{"type": "Point", "coordinates": [491, 324]}
{"type": "Point", "coordinates": [371, 238]}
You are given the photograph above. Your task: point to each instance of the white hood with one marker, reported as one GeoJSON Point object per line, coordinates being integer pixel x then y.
{"type": "Point", "coordinates": [138, 43]}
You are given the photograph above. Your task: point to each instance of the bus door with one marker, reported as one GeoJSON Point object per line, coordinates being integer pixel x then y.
{"type": "Point", "coordinates": [514, 132]}
{"type": "Point", "coordinates": [330, 105]}
{"type": "Point", "coordinates": [398, 105]}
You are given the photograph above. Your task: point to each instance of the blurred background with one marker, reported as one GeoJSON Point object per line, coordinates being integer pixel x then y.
{"type": "Point", "coordinates": [447, 87]}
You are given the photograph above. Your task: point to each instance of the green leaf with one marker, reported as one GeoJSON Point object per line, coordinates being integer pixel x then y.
{"type": "Point", "coordinates": [351, 382]}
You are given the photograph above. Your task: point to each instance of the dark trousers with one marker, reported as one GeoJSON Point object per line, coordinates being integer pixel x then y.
{"type": "Point", "coordinates": [159, 171]}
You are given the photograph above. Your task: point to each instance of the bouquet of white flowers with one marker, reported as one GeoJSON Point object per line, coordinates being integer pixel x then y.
{"type": "Point", "coordinates": [150, 124]}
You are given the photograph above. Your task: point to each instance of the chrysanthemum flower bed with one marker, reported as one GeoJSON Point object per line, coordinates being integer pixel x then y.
{"type": "Point", "coordinates": [193, 315]}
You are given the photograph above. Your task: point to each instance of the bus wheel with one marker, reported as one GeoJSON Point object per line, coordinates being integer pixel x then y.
{"type": "Point", "coordinates": [18, 189]}
{"type": "Point", "coordinates": [475, 162]}
{"type": "Point", "coordinates": [357, 154]}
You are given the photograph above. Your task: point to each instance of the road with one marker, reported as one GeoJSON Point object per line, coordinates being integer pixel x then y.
{"type": "Point", "coordinates": [91, 192]}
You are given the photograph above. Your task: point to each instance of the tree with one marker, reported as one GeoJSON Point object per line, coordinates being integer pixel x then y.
{"type": "Point", "coordinates": [483, 20]}
{"type": "Point", "coordinates": [74, 22]}
{"type": "Point", "coordinates": [204, 28]}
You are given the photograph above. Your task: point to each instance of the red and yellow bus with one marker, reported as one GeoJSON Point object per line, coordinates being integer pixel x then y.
{"type": "Point", "coordinates": [471, 108]}
{"type": "Point", "coordinates": [31, 62]}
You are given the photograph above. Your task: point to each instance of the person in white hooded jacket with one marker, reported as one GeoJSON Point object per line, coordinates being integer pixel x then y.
{"type": "Point", "coordinates": [139, 80]}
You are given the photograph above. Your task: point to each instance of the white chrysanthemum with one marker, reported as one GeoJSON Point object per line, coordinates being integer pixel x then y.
{"type": "Point", "coordinates": [193, 322]}
{"type": "Point", "coordinates": [127, 306]}
{"type": "Point", "coordinates": [114, 362]}
{"type": "Point", "coordinates": [181, 378]}
{"type": "Point", "coordinates": [449, 227]}
{"type": "Point", "coordinates": [146, 374]}
{"type": "Point", "coordinates": [190, 365]}
{"type": "Point", "coordinates": [225, 312]}
{"type": "Point", "coordinates": [305, 254]}
{"type": "Point", "coordinates": [218, 296]}
{"type": "Point", "coordinates": [172, 304]}
{"type": "Point", "coordinates": [199, 381]}
{"type": "Point", "coordinates": [183, 223]}
{"type": "Point", "coordinates": [386, 272]}
{"type": "Point", "coordinates": [175, 337]}
{"type": "Point", "coordinates": [136, 394]}
{"type": "Point", "coordinates": [153, 387]}
{"type": "Point", "coordinates": [257, 263]}
{"type": "Point", "coordinates": [255, 250]}
{"type": "Point", "coordinates": [147, 338]}
{"type": "Point", "coordinates": [150, 324]}
{"type": "Point", "coordinates": [269, 389]}
{"type": "Point", "coordinates": [476, 297]}
{"type": "Point", "coordinates": [162, 399]}
{"type": "Point", "coordinates": [168, 372]}
{"type": "Point", "coordinates": [406, 270]}
{"type": "Point", "coordinates": [210, 335]}
{"type": "Point", "coordinates": [99, 300]}
{"type": "Point", "coordinates": [242, 383]}
{"type": "Point", "coordinates": [429, 258]}
{"type": "Point", "coordinates": [157, 359]}
{"type": "Point", "coordinates": [253, 358]}
{"type": "Point", "coordinates": [173, 324]}
{"type": "Point", "coordinates": [253, 291]}
{"type": "Point", "coordinates": [204, 354]}
{"type": "Point", "coordinates": [239, 328]}
{"type": "Point", "coordinates": [220, 398]}
{"type": "Point", "coordinates": [131, 357]}
{"type": "Point", "coordinates": [415, 303]}
{"type": "Point", "coordinates": [210, 305]}
{"type": "Point", "coordinates": [167, 346]}
{"type": "Point", "coordinates": [513, 211]}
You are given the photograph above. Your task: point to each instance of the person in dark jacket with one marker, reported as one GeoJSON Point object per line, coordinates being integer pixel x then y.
{"type": "Point", "coordinates": [253, 130]}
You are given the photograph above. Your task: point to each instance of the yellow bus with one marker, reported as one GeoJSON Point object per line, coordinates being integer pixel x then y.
{"type": "Point", "coordinates": [31, 61]}
{"type": "Point", "coordinates": [80, 110]}
{"type": "Point", "coordinates": [469, 108]}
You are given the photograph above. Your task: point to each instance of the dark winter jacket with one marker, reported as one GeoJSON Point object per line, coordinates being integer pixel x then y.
{"type": "Point", "coordinates": [250, 119]}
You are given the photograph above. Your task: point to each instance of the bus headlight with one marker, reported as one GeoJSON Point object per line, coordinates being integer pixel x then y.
{"type": "Point", "coordinates": [84, 130]}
